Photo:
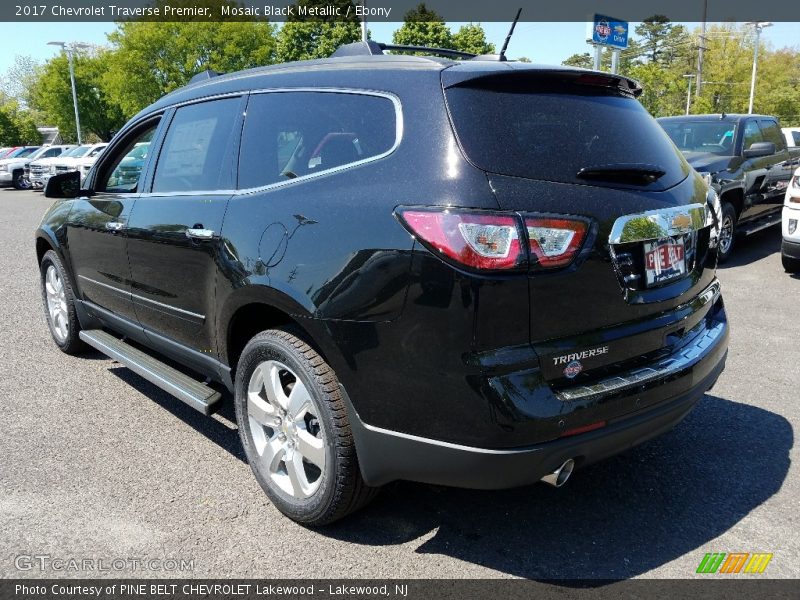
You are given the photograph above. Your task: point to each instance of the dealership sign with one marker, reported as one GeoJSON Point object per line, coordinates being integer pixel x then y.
{"type": "Point", "coordinates": [610, 32]}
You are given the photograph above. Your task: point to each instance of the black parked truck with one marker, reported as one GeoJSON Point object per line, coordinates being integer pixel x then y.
{"type": "Point", "coordinates": [745, 159]}
{"type": "Point", "coordinates": [474, 273]}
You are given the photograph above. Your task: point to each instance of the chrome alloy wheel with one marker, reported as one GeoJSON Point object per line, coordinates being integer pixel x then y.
{"type": "Point", "coordinates": [56, 303]}
{"type": "Point", "coordinates": [726, 234]}
{"type": "Point", "coordinates": [286, 429]}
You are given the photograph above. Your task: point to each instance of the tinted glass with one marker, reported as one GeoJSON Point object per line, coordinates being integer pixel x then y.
{"type": "Point", "coordinates": [122, 174]}
{"type": "Point", "coordinates": [701, 136]}
{"type": "Point", "coordinates": [293, 134]}
{"type": "Point", "coordinates": [78, 152]}
{"type": "Point", "coordinates": [772, 133]}
{"type": "Point", "coordinates": [552, 131]}
{"type": "Point", "coordinates": [196, 155]}
{"type": "Point", "coordinates": [22, 152]}
{"type": "Point", "coordinates": [796, 138]}
{"type": "Point", "coordinates": [752, 134]}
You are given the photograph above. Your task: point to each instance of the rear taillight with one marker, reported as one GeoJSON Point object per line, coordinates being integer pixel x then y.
{"type": "Point", "coordinates": [479, 240]}
{"type": "Point", "coordinates": [554, 242]}
{"type": "Point", "coordinates": [495, 241]}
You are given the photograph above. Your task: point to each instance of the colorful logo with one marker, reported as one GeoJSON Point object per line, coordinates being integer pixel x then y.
{"type": "Point", "coordinates": [603, 29]}
{"type": "Point", "coordinates": [572, 369]}
{"type": "Point", "coordinates": [734, 562]}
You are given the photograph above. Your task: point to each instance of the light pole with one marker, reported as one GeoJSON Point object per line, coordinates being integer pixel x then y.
{"type": "Point", "coordinates": [69, 49]}
{"type": "Point", "coordinates": [364, 21]}
{"type": "Point", "coordinates": [757, 26]}
{"type": "Point", "coordinates": [689, 92]}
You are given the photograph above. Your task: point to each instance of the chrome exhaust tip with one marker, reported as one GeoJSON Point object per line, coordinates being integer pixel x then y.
{"type": "Point", "coordinates": [559, 477]}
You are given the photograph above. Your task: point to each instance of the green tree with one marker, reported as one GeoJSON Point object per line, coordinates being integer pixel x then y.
{"type": "Point", "coordinates": [583, 60]}
{"type": "Point", "coordinates": [151, 59]}
{"type": "Point", "coordinates": [20, 78]}
{"type": "Point", "coordinates": [306, 37]}
{"type": "Point", "coordinates": [424, 27]}
{"type": "Point", "coordinates": [52, 95]}
{"type": "Point", "coordinates": [17, 126]}
{"type": "Point", "coordinates": [472, 38]}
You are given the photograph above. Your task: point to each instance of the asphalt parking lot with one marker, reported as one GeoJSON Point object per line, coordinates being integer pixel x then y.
{"type": "Point", "coordinates": [96, 462]}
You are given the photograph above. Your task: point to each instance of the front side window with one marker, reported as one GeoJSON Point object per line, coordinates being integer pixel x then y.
{"type": "Point", "coordinates": [122, 174]}
{"type": "Point", "coordinates": [197, 150]}
{"type": "Point", "coordinates": [295, 134]}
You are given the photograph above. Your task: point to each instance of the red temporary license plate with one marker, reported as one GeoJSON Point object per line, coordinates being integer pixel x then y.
{"type": "Point", "coordinates": [664, 260]}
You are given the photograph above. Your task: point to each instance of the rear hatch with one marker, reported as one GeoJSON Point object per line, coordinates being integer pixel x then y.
{"type": "Point", "coordinates": [576, 144]}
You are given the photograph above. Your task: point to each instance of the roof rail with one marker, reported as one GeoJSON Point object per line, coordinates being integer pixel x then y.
{"type": "Point", "coordinates": [370, 48]}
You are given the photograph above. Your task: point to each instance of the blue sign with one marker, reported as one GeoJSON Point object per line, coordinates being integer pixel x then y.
{"type": "Point", "coordinates": [610, 32]}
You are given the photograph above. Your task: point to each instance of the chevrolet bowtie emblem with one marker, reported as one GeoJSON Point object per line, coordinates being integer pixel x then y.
{"type": "Point", "coordinates": [681, 221]}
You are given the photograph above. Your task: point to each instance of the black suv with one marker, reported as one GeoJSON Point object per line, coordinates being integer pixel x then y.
{"type": "Point", "coordinates": [474, 273]}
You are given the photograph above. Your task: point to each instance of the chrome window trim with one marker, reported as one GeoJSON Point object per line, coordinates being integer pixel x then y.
{"type": "Point", "coordinates": [399, 129]}
{"type": "Point", "coordinates": [663, 223]}
{"type": "Point", "coordinates": [131, 295]}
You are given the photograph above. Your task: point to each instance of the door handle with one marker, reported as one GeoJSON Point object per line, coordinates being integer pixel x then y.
{"type": "Point", "coordinates": [200, 234]}
{"type": "Point", "coordinates": [115, 226]}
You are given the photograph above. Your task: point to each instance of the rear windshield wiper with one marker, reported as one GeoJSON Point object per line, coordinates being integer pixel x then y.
{"type": "Point", "coordinates": [623, 173]}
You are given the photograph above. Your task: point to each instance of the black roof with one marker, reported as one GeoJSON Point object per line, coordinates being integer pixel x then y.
{"type": "Point", "coordinates": [349, 71]}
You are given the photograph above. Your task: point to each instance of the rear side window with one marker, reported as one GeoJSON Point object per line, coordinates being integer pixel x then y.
{"type": "Point", "coordinates": [796, 138]}
{"type": "Point", "coordinates": [550, 132]}
{"type": "Point", "coordinates": [196, 155]}
{"type": "Point", "coordinates": [772, 133]}
{"type": "Point", "coordinates": [294, 134]}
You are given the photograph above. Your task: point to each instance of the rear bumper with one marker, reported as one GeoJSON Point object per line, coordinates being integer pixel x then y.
{"type": "Point", "coordinates": [386, 455]}
{"type": "Point", "coordinates": [6, 178]}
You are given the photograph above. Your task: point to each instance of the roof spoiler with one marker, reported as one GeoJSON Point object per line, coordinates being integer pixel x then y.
{"type": "Point", "coordinates": [571, 75]}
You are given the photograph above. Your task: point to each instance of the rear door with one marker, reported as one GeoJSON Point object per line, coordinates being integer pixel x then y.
{"type": "Point", "coordinates": [781, 164]}
{"type": "Point", "coordinates": [174, 230]}
{"type": "Point", "coordinates": [565, 149]}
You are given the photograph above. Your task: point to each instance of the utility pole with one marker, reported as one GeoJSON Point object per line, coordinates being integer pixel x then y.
{"type": "Point", "coordinates": [757, 26]}
{"type": "Point", "coordinates": [700, 51]}
{"type": "Point", "coordinates": [689, 92]}
{"type": "Point", "coordinates": [364, 21]}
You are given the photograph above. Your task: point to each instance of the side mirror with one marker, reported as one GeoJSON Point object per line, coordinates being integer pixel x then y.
{"type": "Point", "coordinates": [760, 149]}
{"type": "Point", "coordinates": [65, 185]}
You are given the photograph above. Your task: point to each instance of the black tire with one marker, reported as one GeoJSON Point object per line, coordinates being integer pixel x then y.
{"type": "Point", "coordinates": [16, 180]}
{"type": "Point", "coordinates": [341, 490]}
{"type": "Point", "coordinates": [68, 341]}
{"type": "Point", "coordinates": [790, 265]}
{"type": "Point", "coordinates": [729, 220]}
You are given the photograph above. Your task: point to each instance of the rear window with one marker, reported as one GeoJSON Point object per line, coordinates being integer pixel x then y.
{"type": "Point", "coordinates": [525, 129]}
